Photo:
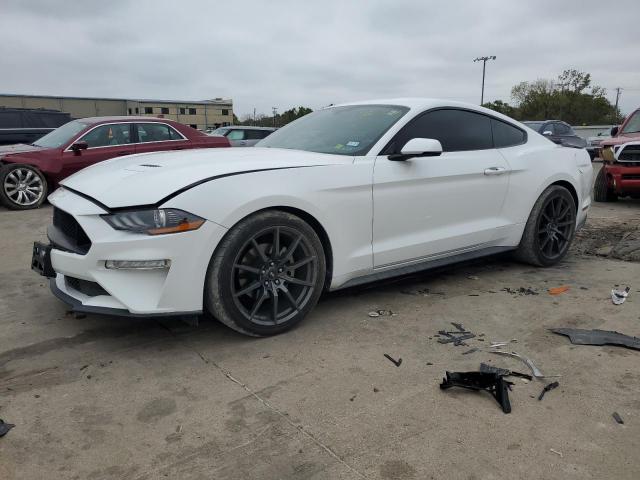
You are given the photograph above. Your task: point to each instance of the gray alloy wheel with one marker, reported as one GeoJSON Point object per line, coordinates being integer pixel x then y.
{"type": "Point", "coordinates": [22, 187]}
{"type": "Point", "coordinates": [266, 274]}
{"type": "Point", "coordinates": [550, 228]}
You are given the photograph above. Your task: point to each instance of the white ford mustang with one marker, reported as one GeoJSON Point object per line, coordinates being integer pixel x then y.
{"type": "Point", "coordinates": [343, 196]}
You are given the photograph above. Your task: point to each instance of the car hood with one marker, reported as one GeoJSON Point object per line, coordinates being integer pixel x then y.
{"type": "Point", "coordinates": [18, 148]}
{"type": "Point", "coordinates": [147, 179]}
{"type": "Point", "coordinates": [620, 139]}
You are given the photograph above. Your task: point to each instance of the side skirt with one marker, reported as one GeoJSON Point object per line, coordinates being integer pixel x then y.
{"type": "Point", "coordinates": [423, 265]}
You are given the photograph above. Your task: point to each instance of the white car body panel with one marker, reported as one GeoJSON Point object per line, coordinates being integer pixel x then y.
{"type": "Point", "coordinates": [378, 214]}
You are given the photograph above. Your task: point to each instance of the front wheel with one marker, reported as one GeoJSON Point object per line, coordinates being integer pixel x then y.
{"type": "Point", "coordinates": [22, 187]}
{"type": "Point", "coordinates": [267, 273]}
{"type": "Point", "coordinates": [550, 228]}
{"type": "Point", "coordinates": [602, 192]}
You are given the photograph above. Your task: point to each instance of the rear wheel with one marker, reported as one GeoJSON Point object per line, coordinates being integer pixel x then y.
{"type": "Point", "coordinates": [266, 274]}
{"type": "Point", "coordinates": [602, 192]}
{"type": "Point", "coordinates": [550, 228]}
{"type": "Point", "coordinates": [22, 187]}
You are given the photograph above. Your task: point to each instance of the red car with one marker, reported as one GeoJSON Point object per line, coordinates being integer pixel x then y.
{"type": "Point", "coordinates": [29, 172]}
{"type": "Point", "coordinates": [620, 172]}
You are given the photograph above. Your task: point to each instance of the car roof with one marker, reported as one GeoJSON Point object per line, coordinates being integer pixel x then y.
{"type": "Point", "coordinates": [121, 118]}
{"type": "Point", "coordinates": [248, 127]}
{"type": "Point", "coordinates": [419, 103]}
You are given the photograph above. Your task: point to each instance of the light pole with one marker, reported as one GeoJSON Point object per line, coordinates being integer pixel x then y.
{"type": "Point", "coordinates": [275, 112]}
{"type": "Point", "coordinates": [484, 65]}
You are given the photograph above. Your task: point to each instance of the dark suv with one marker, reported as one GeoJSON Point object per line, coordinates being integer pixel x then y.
{"type": "Point", "coordinates": [558, 132]}
{"type": "Point", "coordinates": [24, 125]}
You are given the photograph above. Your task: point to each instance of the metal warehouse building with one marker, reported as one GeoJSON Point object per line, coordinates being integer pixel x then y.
{"type": "Point", "coordinates": [198, 114]}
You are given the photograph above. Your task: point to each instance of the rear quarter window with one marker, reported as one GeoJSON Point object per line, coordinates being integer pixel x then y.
{"type": "Point", "coordinates": [505, 135]}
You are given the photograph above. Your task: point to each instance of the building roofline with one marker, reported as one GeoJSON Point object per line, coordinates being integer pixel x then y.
{"type": "Point", "coordinates": [221, 101]}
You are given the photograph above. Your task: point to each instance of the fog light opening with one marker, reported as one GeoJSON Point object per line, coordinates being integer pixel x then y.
{"type": "Point", "coordinates": [136, 264]}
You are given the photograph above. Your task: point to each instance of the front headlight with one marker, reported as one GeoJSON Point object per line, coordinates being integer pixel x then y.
{"type": "Point", "coordinates": [154, 222]}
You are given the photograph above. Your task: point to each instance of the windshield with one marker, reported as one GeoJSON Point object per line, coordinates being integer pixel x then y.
{"type": "Point", "coordinates": [534, 125]}
{"type": "Point", "coordinates": [60, 136]}
{"type": "Point", "coordinates": [348, 130]}
{"type": "Point", "coordinates": [633, 125]}
{"type": "Point", "coordinates": [220, 131]}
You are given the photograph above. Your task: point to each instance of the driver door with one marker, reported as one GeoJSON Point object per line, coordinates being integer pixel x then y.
{"type": "Point", "coordinates": [430, 207]}
{"type": "Point", "coordinates": [104, 142]}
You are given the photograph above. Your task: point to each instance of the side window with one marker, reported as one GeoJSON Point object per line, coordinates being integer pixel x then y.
{"type": "Point", "coordinates": [236, 135]}
{"type": "Point", "coordinates": [156, 132]}
{"type": "Point", "coordinates": [255, 134]}
{"type": "Point", "coordinates": [108, 135]}
{"type": "Point", "coordinates": [561, 129]}
{"type": "Point", "coordinates": [457, 130]}
{"type": "Point", "coordinates": [505, 135]}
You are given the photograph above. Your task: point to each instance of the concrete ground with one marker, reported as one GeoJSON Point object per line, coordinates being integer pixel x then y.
{"type": "Point", "coordinates": [107, 398]}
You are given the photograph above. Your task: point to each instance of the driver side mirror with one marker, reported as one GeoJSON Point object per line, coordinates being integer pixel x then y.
{"type": "Point", "coordinates": [614, 131]}
{"type": "Point", "coordinates": [418, 147]}
{"type": "Point", "coordinates": [77, 146]}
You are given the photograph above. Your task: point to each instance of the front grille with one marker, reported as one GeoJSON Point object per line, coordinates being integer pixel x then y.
{"type": "Point", "coordinates": [91, 289]}
{"type": "Point", "coordinates": [630, 176]}
{"type": "Point", "coordinates": [67, 233]}
{"type": "Point", "coordinates": [630, 154]}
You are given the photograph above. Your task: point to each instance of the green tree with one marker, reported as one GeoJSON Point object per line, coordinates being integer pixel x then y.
{"type": "Point", "coordinates": [501, 107]}
{"type": "Point", "coordinates": [571, 98]}
{"type": "Point", "coordinates": [280, 119]}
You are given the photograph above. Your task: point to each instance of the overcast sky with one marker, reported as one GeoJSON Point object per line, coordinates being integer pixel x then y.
{"type": "Point", "coordinates": [313, 53]}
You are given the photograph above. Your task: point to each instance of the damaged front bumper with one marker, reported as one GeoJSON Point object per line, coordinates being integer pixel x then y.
{"type": "Point", "coordinates": [98, 269]}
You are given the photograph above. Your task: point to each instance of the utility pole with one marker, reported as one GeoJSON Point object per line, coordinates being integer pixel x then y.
{"type": "Point", "coordinates": [275, 112]}
{"type": "Point", "coordinates": [484, 65]}
{"type": "Point", "coordinates": [255, 124]}
{"type": "Point", "coordinates": [618, 89]}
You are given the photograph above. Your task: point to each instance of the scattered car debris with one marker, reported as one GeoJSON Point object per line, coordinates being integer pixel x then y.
{"type": "Point", "coordinates": [520, 291]}
{"type": "Point", "coordinates": [556, 452]}
{"type": "Point", "coordinates": [473, 350]}
{"type": "Point", "coordinates": [558, 290]}
{"type": "Point", "coordinates": [459, 327]}
{"type": "Point", "coordinates": [353, 398]}
{"type": "Point", "coordinates": [456, 339]}
{"type": "Point", "coordinates": [619, 296]}
{"type": "Point", "coordinates": [579, 336]}
{"type": "Point", "coordinates": [548, 388]}
{"type": "Point", "coordinates": [397, 363]}
{"type": "Point", "coordinates": [495, 384]}
{"type": "Point", "coordinates": [536, 373]}
{"type": "Point", "coordinates": [5, 427]}
{"type": "Point", "coordinates": [382, 313]}
{"type": "Point", "coordinates": [375, 390]}
{"type": "Point", "coordinates": [503, 372]}
{"type": "Point", "coordinates": [502, 344]}
{"type": "Point", "coordinates": [616, 416]}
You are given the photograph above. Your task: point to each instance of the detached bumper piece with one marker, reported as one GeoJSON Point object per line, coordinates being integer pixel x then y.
{"type": "Point", "coordinates": [41, 260]}
{"type": "Point", "coordinates": [493, 383]}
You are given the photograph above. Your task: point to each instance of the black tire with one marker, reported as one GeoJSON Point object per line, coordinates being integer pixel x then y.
{"type": "Point", "coordinates": [22, 187]}
{"type": "Point", "coordinates": [248, 260]}
{"type": "Point", "coordinates": [601, 190]}
{"type": "Point", "coordinates": [550, 228]}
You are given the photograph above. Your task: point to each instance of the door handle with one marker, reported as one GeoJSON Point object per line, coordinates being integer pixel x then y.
{"type": "Point", "coordinates": [495, 171]}
{"type": "Point", "coordinates": [127, 152]}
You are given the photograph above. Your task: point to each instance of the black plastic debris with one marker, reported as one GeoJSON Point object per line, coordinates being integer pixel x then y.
{"type": "Point", "coordinates": [549, 387]}
{"type": "Point", "coordinates": [495, 384]}
{"type": "Point", "coordinates": [455, 339]}
{"type": "Point", "coordinates": [397, 363]}
{"type": "Point", "coordinates": [504, 372]}
{"type": "Point", "coordinates": [473, 350]}
{"type": "Point", "coordinates": [459, 327]}
{"type": "Point", "coordinates": [580, 336]}
{"type": "Point", "coordinates": [617, 418]}
{"type": "Point", "coordinates": [5, 427]}
{"type": "Point", "coordinates": [520, 291]}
